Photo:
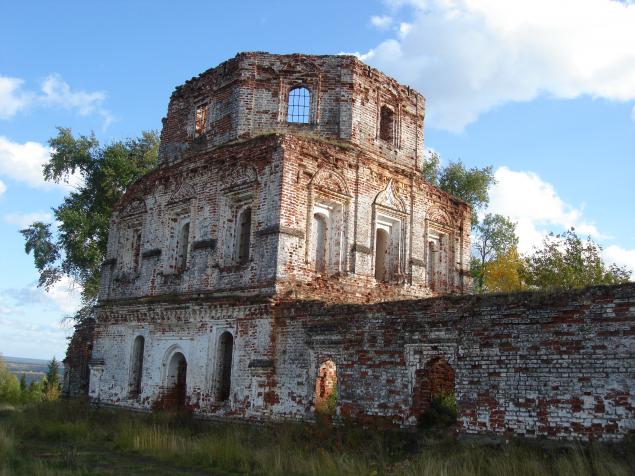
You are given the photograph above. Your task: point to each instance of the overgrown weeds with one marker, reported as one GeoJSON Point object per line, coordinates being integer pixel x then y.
{"type": "Point", "coordinates": [72, 437]}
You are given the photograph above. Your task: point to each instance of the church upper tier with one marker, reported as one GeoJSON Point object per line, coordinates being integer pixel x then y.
{"type": "Point", "coordinates": [334, 97]}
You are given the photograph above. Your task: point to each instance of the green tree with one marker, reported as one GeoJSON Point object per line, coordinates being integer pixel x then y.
{"type": "Point", "coordinates": [469, 185]}
{"type": "Point", "coordinates": [9, 385]}
{"type": "Point", "coordinates": [493, 237]}
{"type": "Point", "coordinates": [75, 245]}
{"type": "Point", "coordinates": [52, 381]}
{"type": "Point", "coordinates": [35, 392]}
{"type": "Point", "coordinates": [564, 261]}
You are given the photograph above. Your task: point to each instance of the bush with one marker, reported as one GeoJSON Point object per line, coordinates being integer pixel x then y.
{"type": "Point", "coordinates": [442, 411]}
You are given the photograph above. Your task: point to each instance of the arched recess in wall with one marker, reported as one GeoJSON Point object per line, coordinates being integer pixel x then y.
{"type": "Point", "coordinates": [243, 235]}
{"type": "Point", "coordinates": [389, 234]}
{"type": "Point", "coordinates": [136, 366]}
{"type": "Point", "coordinates": [327, 222]}
{"type": "Point", "coordinates": [224, 366]}
{"type": "Point", "coordinates": [175, 383]}
{"type": "Point", "coordinates": [434, 392]}
{"type": "Point", "coordinates": [387, 124]}
{"type": "Point", "coordinates": [326, 388]}
{"type": "Point", "coordinates": [440, 236]}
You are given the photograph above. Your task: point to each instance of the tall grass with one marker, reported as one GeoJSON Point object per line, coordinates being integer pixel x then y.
{"type": "Point", "coordinates": [176, 441]}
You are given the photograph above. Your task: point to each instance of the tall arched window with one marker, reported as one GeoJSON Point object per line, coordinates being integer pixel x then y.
{"type": "Point", "coordinates": [244, 236]}
{"type": "Point", "coordinates": [320, 234]}
{"type": "Point", "coordinates": [387, 124]}
{"type": "Point", "coordinates": [182, 246]}
{"type": "Point", "coordinates": [382, 241]}
{"type": "Point", "coordinates": [299, 105]}
{"type": "Point", "coordinates": [136, 366]}
{"type": "Point", "coordinates": [225, 352]}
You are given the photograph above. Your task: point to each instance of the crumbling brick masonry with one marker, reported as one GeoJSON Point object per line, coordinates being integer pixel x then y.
{"type": "Point", "coordinates": [287, 250]}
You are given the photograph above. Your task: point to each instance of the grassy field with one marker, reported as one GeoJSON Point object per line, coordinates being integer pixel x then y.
{"type": "Point", "coordinates": [73, 438]}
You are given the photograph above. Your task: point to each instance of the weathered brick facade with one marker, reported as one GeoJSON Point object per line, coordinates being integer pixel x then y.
{"type": "Point", "coordinates": [283, 248]}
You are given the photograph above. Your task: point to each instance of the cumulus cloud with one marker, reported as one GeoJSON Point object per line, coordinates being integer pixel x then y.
{"type": "Point", "coordinates": [536, 207]}
{"type": "Point", "coordinates": [12, 97]}
{"type": "Point", "coordinates": [54, 92]}
{"type": "Point", "coordinates": [22, 220]}
{"type": "Point", "coordinates": [64, 296]}
{"type": "Point", "coordinates": [621, 257]}
{"type": "Point", "coordinates": [24, 162]}
{"type": "Point", "coordinates": [382, 22]}
{"type": "Point", "coordinates": [468, 56]}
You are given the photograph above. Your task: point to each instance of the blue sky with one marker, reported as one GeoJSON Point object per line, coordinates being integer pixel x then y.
{"type": "Point", "coordinates": [544, 91]}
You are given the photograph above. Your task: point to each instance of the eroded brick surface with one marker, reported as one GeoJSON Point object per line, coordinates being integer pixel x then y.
{"type": "Point", "coordinates": [259, 250]}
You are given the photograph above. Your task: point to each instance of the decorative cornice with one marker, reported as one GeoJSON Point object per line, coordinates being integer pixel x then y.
{"type": "Point", "coordinates": [359, 248]}
{"type": "Point", "coordinates": [205, 244]}
{"type": "Point", "coordinates": [151, 253]}
{"type": "Point", "coordinates": [283, 230]}
{"type": "Point", "coordinates": [261, 364]}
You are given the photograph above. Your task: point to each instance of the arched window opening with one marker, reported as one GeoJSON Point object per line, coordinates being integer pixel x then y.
{"type": "Point", "coordinates": [433, 400]}
{"type": "Point", "coordinates": [137, 366]}
{"type": "Point", "coordinates": [182, 247]}
{"type": "Point", "coordinates": [136, 249]}
{"type": "Point", "coordinates": [201, 119]}
{"type": "Point", "coordinates": [387, 124]}
{"type": "Point", "coordinates": [299, 105]}
{"type": "Point", "coordinates": [244, 236]}
{"type": "Point", "coordinates": [433, 251]}
{"type": "Point", "coordinates": [176, 382]}
{"type": "Point", "coordinates": [225, 352]}
{"type": "Point", "coordinates": [326, 388]}
{"type": "Point", "coordinates": [320, 236]}
{"type": "Point", "coordinates": [382, 241]}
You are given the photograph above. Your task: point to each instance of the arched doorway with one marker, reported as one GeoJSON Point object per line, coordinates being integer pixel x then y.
{"type": "Point", "coordinates": [176, 381]}
{"type": "Point", "coordinates": [433, 398]}
{"type": "Point", "coordinates": [326, 388]}
{"type": "Point", "coordinates": [225, 353]}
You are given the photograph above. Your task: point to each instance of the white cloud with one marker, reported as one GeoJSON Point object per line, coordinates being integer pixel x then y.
{"type": "Point", "coordinates": [54, 92]}
{"type": "Point", "coordinates": [12, 98]}
{"type": "Point", "coordinates": [468, 56]}
{"type": "Point", "coordinates": [22, 220]}
{"type": "Point", "coordinates": [536, 208]}
{"type": "Point", "coordinates": [64, 296]}
{"type": "Point", "coordinates": [24, 163]}
{"type": "Point", "coordinates": [621, 257]}
{"type": "Point", "coordinates": [382, 22]}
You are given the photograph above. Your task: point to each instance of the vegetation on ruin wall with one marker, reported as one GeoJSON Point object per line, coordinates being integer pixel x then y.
{"type": "Point", "coordinates": [73, 438]}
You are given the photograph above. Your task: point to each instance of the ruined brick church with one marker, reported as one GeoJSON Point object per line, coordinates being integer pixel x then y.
{"type": "Point", "coordinates": [287, 253]}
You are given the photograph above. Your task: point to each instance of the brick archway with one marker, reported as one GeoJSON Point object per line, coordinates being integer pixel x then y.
{"type": "Point", "coordinates": [435, 378]}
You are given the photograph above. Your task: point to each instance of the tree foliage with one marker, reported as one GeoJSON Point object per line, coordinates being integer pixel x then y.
{"type": "Point", "coordinates": [503, 274]}
{"type": "Point", "coordinates": [76, 245]}
{"type": "Point", "coordinates": [565, 261]}
{"type": "Point", "coordinates": [469, 185]}
{"type": "Point", "coordinates": [52, 387]}
{"type": "Point", "coordinates": [16, 391]}
{"type": "Point", "coordinates": [493, 237]}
